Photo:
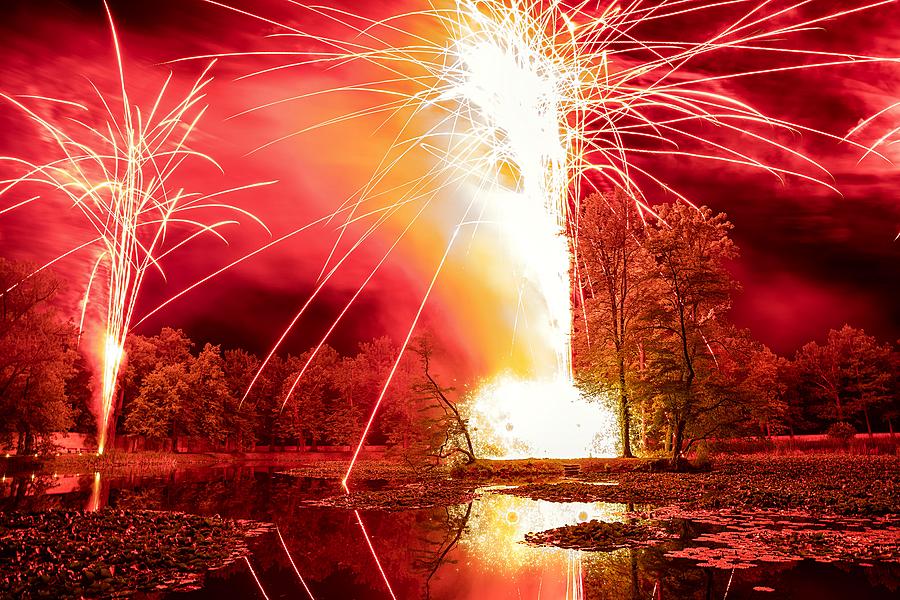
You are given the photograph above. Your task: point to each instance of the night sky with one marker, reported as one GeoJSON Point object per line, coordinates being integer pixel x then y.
{"type": "Point", "coordinates": [811, 259]}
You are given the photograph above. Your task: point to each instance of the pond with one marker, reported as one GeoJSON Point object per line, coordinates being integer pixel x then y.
{"type": "Point", "coordinates": [468, 551]}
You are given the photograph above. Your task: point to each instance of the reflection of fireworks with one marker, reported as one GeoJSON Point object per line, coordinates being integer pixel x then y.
{"type": "Point", "coordinates": [94, 501]}
{"type": "Point", "coordinates": [502, 565]}
{"type": "Point", "coordinates": [117, 172]}
{"type": "Point", "coordinates": [499, 523]}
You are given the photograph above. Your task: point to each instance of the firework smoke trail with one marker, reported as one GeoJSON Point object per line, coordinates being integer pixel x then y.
{"type": "Point", "coordinates": [537, 101]}
{"type": "Point", "coordinates": [118, 174]}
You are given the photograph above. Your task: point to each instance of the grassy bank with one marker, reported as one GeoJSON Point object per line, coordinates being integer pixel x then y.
{"type": "Point", "coordinates": [862, 444]}
{"type": "Point", "coordinates": [824, 483]}
{"type": "Point", "coordinates": [304, 463]}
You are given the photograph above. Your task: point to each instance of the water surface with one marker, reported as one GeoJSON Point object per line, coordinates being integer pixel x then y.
{"type": "Point", "coordinates": [470, 551]}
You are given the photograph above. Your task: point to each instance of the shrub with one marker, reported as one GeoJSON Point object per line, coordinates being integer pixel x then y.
{"type": "Point", "coordinates": [841, 431]}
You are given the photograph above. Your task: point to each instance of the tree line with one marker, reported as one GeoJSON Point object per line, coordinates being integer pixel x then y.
{"type": "Point", "coordinates": [171, 387]}
{"type": "Point", "coordinates": [654, 294]}
{"type": "Point", "coordinates": [652, 333]}
{"type": "Point", "coordinates": [44, 380]}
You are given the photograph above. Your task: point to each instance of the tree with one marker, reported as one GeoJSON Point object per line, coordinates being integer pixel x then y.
{"type": "Point", "coordinates": [240, 366]}
{"type": "Point", "coordinates": [371, 368]}
{"type": "Point", "coordinates": [80, 393]}
{"type": "Point", "coordinates": [309, 410]}
{"type": "Point", "coordinates": [765, 389]}
{"type": "Point", "coordinates": [892, 410]}
{"type": "Point", "coordinates": [143, 355]}
{"type": "Point", "coordinates": [453, 425]}
{"type": "Point", "coordinates": [689, 248]}
{"type": "Point", "coordinates": [158, 410]}
{"type": "Point", "coordinates": [209, 401]}
{"type": "Point", "coordinates": [851, 372]}
{"type": "Point", "coordinates": [266, 399]}
{"type": "Point", "coordinates": [36, 356]}
{"type": "Point", "coordinates": [345, 424]}
{"type": "Point", "coordinates": [615, 284]}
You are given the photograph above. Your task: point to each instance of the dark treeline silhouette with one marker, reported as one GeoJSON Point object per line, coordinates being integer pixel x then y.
{"type": "Point", "coordinates": [171, 387]}
{"type": "Point", "coordinates": [652, 333]}
{"type": "Point", "coordinates": [655, 336]}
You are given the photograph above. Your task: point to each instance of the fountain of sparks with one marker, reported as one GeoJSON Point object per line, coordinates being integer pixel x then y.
{"type": "Point", "coordinates": [118, 172]}
{"type": "Point", "coordinates": [520, 98]}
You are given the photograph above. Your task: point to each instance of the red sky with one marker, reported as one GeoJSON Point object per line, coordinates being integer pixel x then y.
{"type": "Point", "coordinates": [811, 260]}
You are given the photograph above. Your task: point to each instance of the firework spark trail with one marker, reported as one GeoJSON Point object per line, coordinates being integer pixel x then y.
{"type": "Point", "coordinates": [374, 554]}
{"type": "Point", "coordinates": [384, 214]}
{"type": "Point", "coordinates": [256, 579]}
{"type": "Point", "coordinates": [118, 173]}
{"type": "Point", "coordinates": [882, 141]}
{"type": "Point", "coordinates": [538, 99]}
{"type": "Point", "coordinates": [293, 565]}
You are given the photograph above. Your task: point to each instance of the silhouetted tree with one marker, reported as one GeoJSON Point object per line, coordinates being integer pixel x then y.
{"type": "Point", "coordinates": [36, 356]}
{"type": "Point", "coordinates": [452, 426]}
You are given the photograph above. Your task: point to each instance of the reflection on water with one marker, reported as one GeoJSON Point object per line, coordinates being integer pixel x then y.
{"type": "Point", "coordinates": [492, 547]}
{"type": "Point", "coordinates": [464, 552]}
{"type": "Point", "coordinates": [93, 504]}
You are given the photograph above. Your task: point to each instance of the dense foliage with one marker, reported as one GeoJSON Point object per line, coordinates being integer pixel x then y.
{"type": "Point", "coordinates": [654, 290]}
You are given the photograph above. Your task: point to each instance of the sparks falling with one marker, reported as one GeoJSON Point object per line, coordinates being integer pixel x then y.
{"type": "Point", "coordinates": [117, 167]}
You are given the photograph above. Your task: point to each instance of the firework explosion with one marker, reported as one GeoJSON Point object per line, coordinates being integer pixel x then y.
{"type": "Point", "coordinates": [520, 107]}
{"type": "Point", "coordinates": [118, 169]}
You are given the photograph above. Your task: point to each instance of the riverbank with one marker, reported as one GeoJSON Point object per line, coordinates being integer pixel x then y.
{"type": "Point", "coordinates": [316, 465]}
{"type": "Point", "coordinates": [825, 483]}
{"type": "Point", "coordinates": [818, 484]}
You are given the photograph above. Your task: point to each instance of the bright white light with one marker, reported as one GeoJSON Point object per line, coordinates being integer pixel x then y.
{"type": "Point", "coordinates": [517, 95]}
{"type": "Point", "coordinates": [513, 418]}
{"type": "Point", "coordinates": [113, 353]}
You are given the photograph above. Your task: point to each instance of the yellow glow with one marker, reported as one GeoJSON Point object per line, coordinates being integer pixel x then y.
{"type": "Point", "coordinates": [499, 523]}
{"type": "Point", "coordinates": [113, 353]}
{"type": "Point", "coordinates": [93, 504]}
{"type": "Point", "coordinates": [526, 102]}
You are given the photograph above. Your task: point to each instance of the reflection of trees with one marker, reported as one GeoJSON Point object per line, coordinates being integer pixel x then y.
{"type": "Point", "coordinates": [30, 493]}
{"type": "Point", "coordinates": [332, 556]}
{"type": "Point", "coordinates": [449, 530]}
{"type": "Point", "coordinates": [327, 545]}
{"type": "Point", "coordinates": [645, 573]}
